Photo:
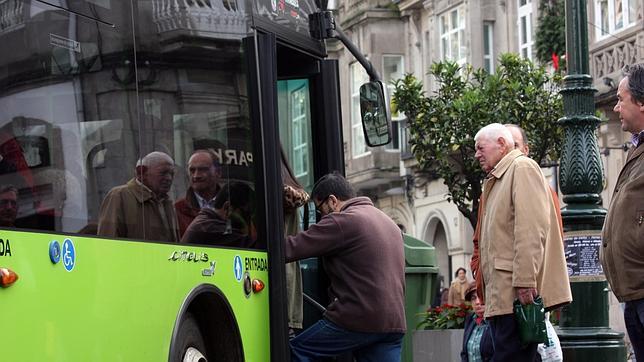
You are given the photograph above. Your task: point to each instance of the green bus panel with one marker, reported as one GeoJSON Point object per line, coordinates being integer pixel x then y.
{"type": "Point", "coordinates": [120, 300]}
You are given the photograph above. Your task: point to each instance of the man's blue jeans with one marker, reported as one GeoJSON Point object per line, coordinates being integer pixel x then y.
{"type": "Point", "coordinates": [634, 320]}
{"type": "Point", "coordinates": [327, 339]}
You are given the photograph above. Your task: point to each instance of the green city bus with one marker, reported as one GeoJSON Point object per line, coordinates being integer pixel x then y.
{"type": "Point", "coordinates": [89, 87]}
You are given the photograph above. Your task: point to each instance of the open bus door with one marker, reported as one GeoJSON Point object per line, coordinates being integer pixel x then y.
{"type": "Point", "coordinates": [301, 89]}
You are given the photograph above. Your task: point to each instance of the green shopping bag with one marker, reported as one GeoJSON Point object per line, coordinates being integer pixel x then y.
{"type": "Point", "coordinates": [531, 321]}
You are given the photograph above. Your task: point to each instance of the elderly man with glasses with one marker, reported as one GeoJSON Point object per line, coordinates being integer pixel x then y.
{"type": "Point", "coordinates": [363, 254]}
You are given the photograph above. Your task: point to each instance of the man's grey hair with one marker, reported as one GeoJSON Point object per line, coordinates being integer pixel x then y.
{"type": "Point", "coordinates": [635, 74]}
{"type": "Point", "coordinates": [493, 131]}
{"type": "Point", "coordinates": [155, 158]}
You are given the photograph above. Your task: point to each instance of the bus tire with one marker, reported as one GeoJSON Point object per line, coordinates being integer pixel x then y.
{"type": "Point", "coordinates": [190, 342]}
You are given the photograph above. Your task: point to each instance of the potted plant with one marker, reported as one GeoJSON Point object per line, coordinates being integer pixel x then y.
{"type": "Point", "coordinates": [439, 336]}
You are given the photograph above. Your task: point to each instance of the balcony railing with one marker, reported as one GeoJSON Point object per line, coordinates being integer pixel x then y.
{"type": "Point", "coordinates": [222, 19]}
{"type": "Point", "coordinates": [609, 59]}
{"type": "Point", "coordinates": [11, 14]}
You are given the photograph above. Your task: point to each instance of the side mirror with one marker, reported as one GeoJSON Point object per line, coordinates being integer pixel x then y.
{"type": "Point", "coordinates": [375, 114]}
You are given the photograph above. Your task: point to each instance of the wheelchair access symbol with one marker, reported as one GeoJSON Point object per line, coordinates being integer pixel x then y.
{"type": "Point", "coordinates": [68, 255]}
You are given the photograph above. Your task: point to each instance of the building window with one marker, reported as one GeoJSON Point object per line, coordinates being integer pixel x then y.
{"type": "Point", "coordinates": [452, 30]}
{"type": "Point", "coordinates": [358, 77]}
{"type": "Point", "coordinates": [488, 46]}
{"type": "Point", "coordinates": [525, 29]}
{"type": "Point", "coordinates": [299, 121]}
{"type": "Point", "coordinates": [393, 70]}
{"type": "Point", "coordinates": [612, 16]}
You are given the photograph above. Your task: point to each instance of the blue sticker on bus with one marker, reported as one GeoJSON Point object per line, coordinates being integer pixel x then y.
{"type": "Point", "coordinates": [238, 268]}
{"type": "Point", "coordinates": [69, 255]}
{"type": "Point", "coordinates": [54, 251]}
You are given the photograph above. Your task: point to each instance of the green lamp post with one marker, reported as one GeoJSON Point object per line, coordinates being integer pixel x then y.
{"type": "Point", "coordinates": [583, 328]}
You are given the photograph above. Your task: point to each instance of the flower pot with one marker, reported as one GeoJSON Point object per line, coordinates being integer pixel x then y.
{"type": "Point", "coordinates": [440, 345]}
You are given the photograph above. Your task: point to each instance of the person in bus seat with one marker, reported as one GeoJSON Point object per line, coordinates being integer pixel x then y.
{"type": "Point", "coordinates": [142, 209]}
{"type": "Point", "coordinates": [8, 205]}
{"type": "Point", "coordinates": [205, 172]}
{"type": "Point", "coordinates": [363, 254]}
{"type": "Point", "coordinates": [228, 222]}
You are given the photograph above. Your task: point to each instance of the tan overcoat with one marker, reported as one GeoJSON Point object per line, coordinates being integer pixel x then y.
{"type": "Point", "coordinates": [132, 211]}
{"type": "Point", "coordinates": [521, 243]}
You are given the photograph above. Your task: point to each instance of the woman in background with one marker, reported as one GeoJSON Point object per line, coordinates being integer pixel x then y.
{"type": "Point", "coordinates": [458, 288]}
{"type": "Point", "coordinates": [477, 340]}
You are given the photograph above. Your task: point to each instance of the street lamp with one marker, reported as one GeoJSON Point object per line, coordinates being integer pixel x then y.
{"type": "Point", "coordinates": [583, 325]}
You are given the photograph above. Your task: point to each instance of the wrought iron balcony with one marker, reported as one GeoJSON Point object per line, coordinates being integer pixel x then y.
{"type": "Point", "coordinates": [221, 19]}
{"type": "Point", "coordinates": [608, 57]}
{"type": "Point", "coordinates": [11, 15]}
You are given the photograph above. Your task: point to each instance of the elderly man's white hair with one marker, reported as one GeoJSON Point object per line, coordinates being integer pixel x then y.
{"type": "Point", "coordinates": [155, 158]}
{"type": "Point", "coordinates": [493, 131]}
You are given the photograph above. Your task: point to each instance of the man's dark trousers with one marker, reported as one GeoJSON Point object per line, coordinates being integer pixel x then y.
{"type": "Point", "coordinates": [506, 340]}
{"type": "Point", "coordinates": [634, 320]}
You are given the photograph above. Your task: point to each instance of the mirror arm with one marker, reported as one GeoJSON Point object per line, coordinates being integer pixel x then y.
{"type": "Point", "coordinates": [322, 25]}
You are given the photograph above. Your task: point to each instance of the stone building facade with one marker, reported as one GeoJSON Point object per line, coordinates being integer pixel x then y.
{"type": "Point", "coordinates": [407, 36]}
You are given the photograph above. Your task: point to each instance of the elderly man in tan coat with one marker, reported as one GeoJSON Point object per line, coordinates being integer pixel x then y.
{"type": "Point", "coordinates": [521, 245]}
{"type": "Point", "coordinates": [141, 209]}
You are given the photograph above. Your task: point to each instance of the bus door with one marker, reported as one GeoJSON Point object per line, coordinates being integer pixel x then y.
{"type": "Point", "coordinates": [301, 109]}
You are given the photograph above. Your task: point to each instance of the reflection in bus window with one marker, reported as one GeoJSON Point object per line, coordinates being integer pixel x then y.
{"type": "Point", "coordinates": [8, 205]}
{"type": "Point", "coordinates": [145, 198]}
{"type": "Point", "coordinates": [204, 173]}
{"type": "Point", "coordinates": [228, 222]}
{"type": "Point", "coordinates": [81, 104]}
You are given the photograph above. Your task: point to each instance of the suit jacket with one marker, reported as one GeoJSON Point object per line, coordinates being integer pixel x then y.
{"type": "Point", "coordinates": [623, 234]}
{"type": "Point", "coordinates": [521, 243]}
{"type": "Point", "coordinates": [487, 347]}
{"type": "Point", "coordinates": [187, 209]}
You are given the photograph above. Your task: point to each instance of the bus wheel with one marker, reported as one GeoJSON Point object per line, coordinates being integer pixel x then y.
{"type": "Point", "coordinates": [190, 342]}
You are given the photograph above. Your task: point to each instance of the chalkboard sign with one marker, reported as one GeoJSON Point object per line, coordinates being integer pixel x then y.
{"type": "Point", "coordinates": [582, 255]}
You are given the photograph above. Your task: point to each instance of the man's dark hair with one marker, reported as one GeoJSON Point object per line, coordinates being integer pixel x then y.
{"type": "Point", "coordinates": [238, 193]}
{"type": "Point", "coordinates": [210, 152]}
{"type": "Point", "coordinates": [635, 74]}
{"type": "Point", "coordinates": [333, 184]}
{"type": "Point", "coordinates": [8, 188]}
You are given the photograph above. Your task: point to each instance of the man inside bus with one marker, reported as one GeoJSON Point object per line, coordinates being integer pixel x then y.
{"type": "Point", "coordinates": [362, 251]}
{"type": "Point", "coordinates": [8, 205]}
{"type": "Point", "coordinates": [228, 222]}
{"type": "Point", "coordinates": [205, 171]}
{"type": "Point", "coordinates": [141, 209]}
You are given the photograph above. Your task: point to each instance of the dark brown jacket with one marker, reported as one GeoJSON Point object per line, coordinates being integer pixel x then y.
{"type": "Point", "coordinates": [208, 228]}
{"type": "Point", "coordinates": [623, 233]}
{"type": "Point", "coordinates": [363, 255]}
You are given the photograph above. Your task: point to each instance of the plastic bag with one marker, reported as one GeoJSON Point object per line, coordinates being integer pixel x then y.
{"type": "Point", "coordinates": [531, 321]}
{"type": "Point", "coordinates": [551, 351]}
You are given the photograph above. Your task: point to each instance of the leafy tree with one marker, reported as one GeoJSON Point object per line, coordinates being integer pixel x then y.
{"type": "Point", "coordinates": [551, 31]}
{"type": "Point", "coordinates": [442, 127]}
